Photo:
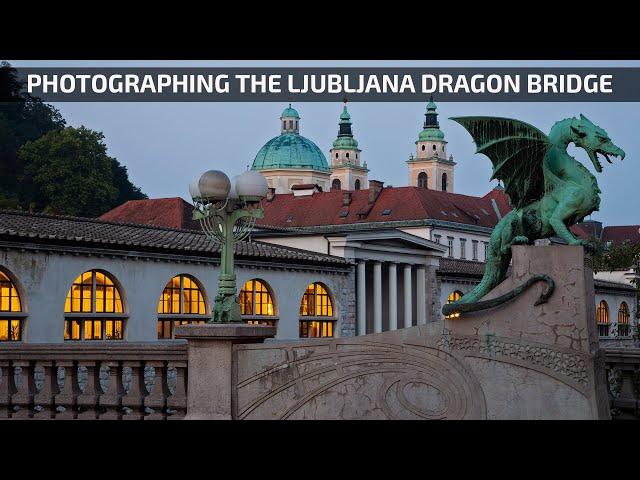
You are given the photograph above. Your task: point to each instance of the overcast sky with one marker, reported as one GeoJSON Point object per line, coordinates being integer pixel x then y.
{"type": "Point", "coordinates": [165, 145]}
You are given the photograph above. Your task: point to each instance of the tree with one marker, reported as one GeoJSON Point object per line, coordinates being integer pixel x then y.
{"type": "Point", "coordinates": [72, 172]}
{"type": "Point", "coordinates": [22, 118]}
{"type": "Point", "coordinates": [126, 189]}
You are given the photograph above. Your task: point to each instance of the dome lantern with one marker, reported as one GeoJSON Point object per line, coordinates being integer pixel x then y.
{"type": "Point", "coordinates": [290, 120]}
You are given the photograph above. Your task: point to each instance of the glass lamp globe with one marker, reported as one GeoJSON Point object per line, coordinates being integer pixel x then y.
{"type": "Point", "coordinates": [251, 186]}
{"type": "Point", "coordinates": [214, 185]}
{"type": "Point", "coordinates": [233, 194]}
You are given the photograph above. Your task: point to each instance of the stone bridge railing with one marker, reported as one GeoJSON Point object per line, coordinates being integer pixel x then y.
{"type": "Point", "coordinates": [100, 380]}
{"type": "Point", "coordinates": [623, 367]}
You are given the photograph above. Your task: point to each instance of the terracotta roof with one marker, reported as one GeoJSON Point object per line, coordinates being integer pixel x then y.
{"type": "Point", "coordinates": [159, 212]}
{"type": "Point", "coordinates": [50, 229]}
{"type": "Point", "coordinates": [620, 233]}
{"type": "Point", "coordinates": [456, 267]}
{"type": "Point", "coordinates": [393, 204]}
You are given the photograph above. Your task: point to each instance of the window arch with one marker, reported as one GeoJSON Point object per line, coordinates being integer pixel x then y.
{"type": "Point", "coordinates": [181, 302]}
{"type": "Point", "coordinates": [602, 318]}
{"type": "Point", "coordinates": [317, 315]}
{"type": "Point", "coordinates": [335, 184]}
{"type": "Point", "coordinates": [422, 180]}
{"type": "Point", "coordinates": [444, 182]}
{"type": "Point", "coordinates": [454, 297]}
{"type": "Point", "coordinates": [623, 320]}
{"type": "Point", "coordinates": [94, 308]}
{"type": "Point", "coordinates": [356, 185]}
{"type": "Point", "coordinates": [10, 310]}
{"type": "Point", "coordinates": [256, 303]}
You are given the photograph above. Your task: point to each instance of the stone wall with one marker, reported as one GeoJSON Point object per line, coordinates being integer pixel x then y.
{"type": "Point", "coordinates": [516, 361]}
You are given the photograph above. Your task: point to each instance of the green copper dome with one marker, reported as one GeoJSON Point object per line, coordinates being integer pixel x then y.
{"type": "Point", "coordinates": [431, 129]}
{"type": "Point", "coordinates": [430, 134]}
{"type": "Point", "coordinates": [345, 138]}
{"type": "Point", "coordinates": [290, 150]}
{"type": "Point", "coordinates": [290, 112]}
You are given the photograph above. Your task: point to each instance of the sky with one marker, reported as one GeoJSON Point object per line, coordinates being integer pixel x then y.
{"type": "Point", "coordinates": [166, 145]}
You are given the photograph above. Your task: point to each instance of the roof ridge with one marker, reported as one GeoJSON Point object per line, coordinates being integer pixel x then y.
{"type": "Point", "coordinates": [92, 220]}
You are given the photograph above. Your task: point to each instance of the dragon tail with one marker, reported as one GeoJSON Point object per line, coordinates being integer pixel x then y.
{"type": "Point", "coordinates": [494, 272]}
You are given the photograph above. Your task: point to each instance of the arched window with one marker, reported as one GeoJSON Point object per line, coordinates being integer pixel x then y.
{"type": "Point", "coordinates": [423, 147]}
{"type": "Point", "coordinates": [256, 303]}
{"type": "Point", "coordinates": [623, 320]}
{"type": "Point", "coordinates": [316, 312]}
{"type": "Point", "coordinates": [10, 311]}
{"type": "Point", "coordinates": [444, 182]}
{"type": "Point", "coordinates": [356, 185]}
{"type": "Point", "coordinates": [422, 180]}
{"type": "Point", "coordinates": [454, 297]}
{"type": "Point", "coordinates": [602, 319]}
{"type": "Point", "coordinates": [434, 148]}
{"type": "Point", "coordinates": [181, 302]}
{"type": "Point", "coordinates": [337, 154]}
{"type": "Point", "coordinates": [93, 308]}
{"type": "Point", "coordinates": [347, 154]}
{"type": "Point", "coordinates": [335, 184]}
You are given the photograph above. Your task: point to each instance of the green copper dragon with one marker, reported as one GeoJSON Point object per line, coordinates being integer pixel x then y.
{"type": "Point", "coordinates": [549, 191]}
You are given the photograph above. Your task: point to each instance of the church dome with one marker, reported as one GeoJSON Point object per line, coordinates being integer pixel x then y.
{"type": "Point", "coordinates": [430, 134]}
{"type": "Point", "coordinates": [290, 112]}
{"type": "Point", "coordinates": [290, 150]}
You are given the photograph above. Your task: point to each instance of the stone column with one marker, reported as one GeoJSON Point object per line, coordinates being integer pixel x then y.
{"type": "Point", "coordinates": [421, 300]}
{"type": "Point", "coordinates": [362, 298]}
{"type": "Point", "coordinates": [377, 297]}
{"type": "Point", "coordinates": [210, 349]}
{"type": "Point", "coordinates": [393, 297]}
{"type": "Point", "coordinates": [408, 307]}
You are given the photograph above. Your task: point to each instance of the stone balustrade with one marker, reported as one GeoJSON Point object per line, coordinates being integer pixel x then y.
{"type": "Point", "coordinates": [623, 366]}
{"type": "Point", "coordinates": [97, 380]}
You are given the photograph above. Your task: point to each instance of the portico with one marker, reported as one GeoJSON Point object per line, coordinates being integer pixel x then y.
{"type": "Point", "coordinates": [395, 276]}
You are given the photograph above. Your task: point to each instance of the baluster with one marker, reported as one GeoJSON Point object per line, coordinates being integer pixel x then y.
{"type": "Point", "coordinates": [87, 393]}
{"type": "Point", "coordinates": [132, 385]}
{"type": "Point", "coordinates": [153, 374]}
{"type": "Point", "coordinates": [43, 384]}
{"type": "Point", "coordinates": [108, 401]}
{"type": "Point", "coordinates": [176, 387]}
{"type": "Point", "coordinates": [4, 389]}
{"type": "Point", "coordinates": [63, 387]}
{"type": "Point", "coordinates": [20, 400]}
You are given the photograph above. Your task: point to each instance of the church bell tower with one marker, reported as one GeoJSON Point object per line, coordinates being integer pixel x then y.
{"type": "Point", "coordinates": [430, 168]}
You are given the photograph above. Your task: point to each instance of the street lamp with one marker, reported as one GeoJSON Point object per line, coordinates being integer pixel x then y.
{"type": "Point", "coordinates": [227, 211]}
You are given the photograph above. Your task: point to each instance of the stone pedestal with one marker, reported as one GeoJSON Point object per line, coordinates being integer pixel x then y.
{"type": "Point", "coordinates": [209, 388]}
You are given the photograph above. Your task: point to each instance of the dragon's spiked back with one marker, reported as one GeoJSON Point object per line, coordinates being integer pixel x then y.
{"type": "Point", "coordinates": [516, 150]}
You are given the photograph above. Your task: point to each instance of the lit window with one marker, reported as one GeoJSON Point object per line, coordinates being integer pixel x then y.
{"type": "Point", "coordinates": [316, 310]}
{"type": "Point", "coordinates": [454, 297]}
{"type": "Point", "coordinates": [10, 311]}
{"type": "Point", "coordinates": [602, 319]}
{"type": "Point", "coordinates": [93, 309]}
{"type": "Point", "coordinates": [256, 301]}
{"type": "Point", "coordinates": [181, 303]}
{"type": "Point", "coordinates": [623, 320]}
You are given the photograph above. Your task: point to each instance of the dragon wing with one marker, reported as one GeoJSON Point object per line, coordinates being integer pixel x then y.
{"type": "Point", "coordinates": [516, 150]}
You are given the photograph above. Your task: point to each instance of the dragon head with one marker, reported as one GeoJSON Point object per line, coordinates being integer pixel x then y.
{"type": "Point", "coordinates": [594, 140]}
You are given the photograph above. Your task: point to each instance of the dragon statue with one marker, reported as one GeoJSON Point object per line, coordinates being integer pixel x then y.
{"type": "Point", "coordinates": [549, 191]}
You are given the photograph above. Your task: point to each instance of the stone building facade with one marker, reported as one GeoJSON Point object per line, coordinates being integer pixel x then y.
{"type": "Point", "coordinates": [131, 267]}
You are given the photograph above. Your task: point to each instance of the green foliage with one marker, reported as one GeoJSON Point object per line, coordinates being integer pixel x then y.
{"type": "Point", "coordinates": [72, 171]}
{"type": "Point", "coordinates": [47, 167]}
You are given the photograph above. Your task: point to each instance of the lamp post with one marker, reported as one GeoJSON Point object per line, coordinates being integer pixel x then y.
{"type": "Point", "coordinates": [227, 211]}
